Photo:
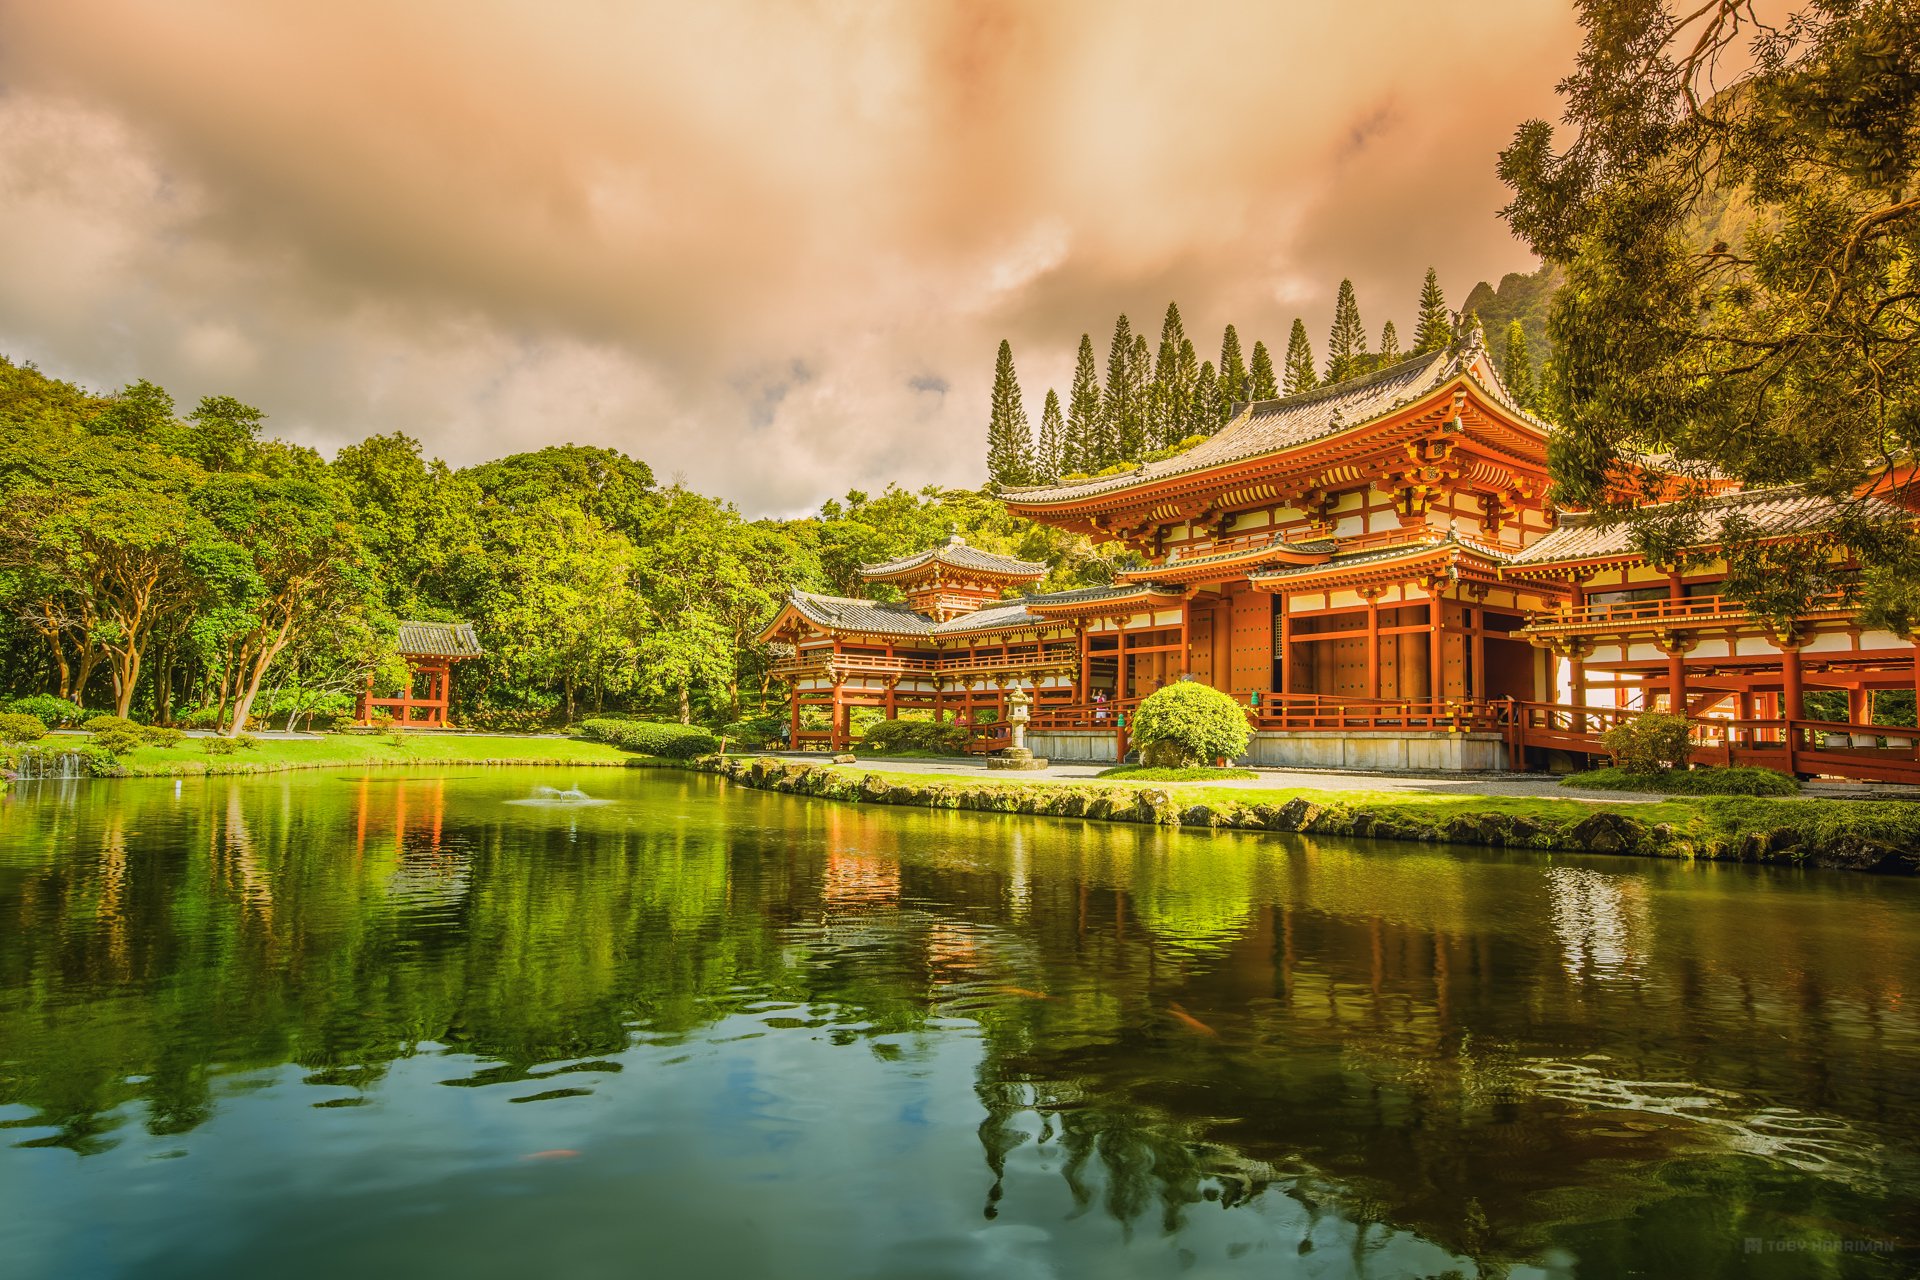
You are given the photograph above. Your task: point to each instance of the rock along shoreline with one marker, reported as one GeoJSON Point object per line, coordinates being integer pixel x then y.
{"type": "Point", "coordinates": [1603, 831]}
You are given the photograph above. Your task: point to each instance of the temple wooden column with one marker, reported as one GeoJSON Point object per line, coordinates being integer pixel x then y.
{"type": "Point", "coordinates": [1286, 646]}
{"type": "Point", "coordinates": [1373, 642]}
{"type": "Point", "coordinates": [1085, 692]}
{"type": "Point", "coordinates": [1436, 647]}
{"type": "Point", "coordinates": [1793, 705]}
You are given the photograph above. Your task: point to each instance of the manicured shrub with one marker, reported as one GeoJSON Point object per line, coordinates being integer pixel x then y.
{"type": "Point", "coordinates": [202, 718]}
{"type": "Point", "coordinates": [16, 726]}
{"type": "Point", "coordinates": [1189, 723]}
{"type": "Point", "coordinates": [48, 710]}
{"type": "Point", "coordinates": [1651, 742]}
{"type": "Point", "coordinates": [119, 735]}
{"type": "Point", "coordinates": [649, 738]}
{"type": "Point", "coordinates": [891, 736]}
{"type": "Point", "coordinates": [755, 731]}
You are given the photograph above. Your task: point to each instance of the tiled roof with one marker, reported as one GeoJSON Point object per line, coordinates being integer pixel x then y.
{"type": "Point", "coordinates": [1270, 426]}
{"type": "Point", "coordinates": [438, 640]}
{"type": "Point", "coordinates": [956, 554]}
{"type": "Point", "coordinates": [1770, 512]}
{"type": "Point", "coordinates": [1093, 595]}
{"type": "Point", "coordinates": [1388, 554]}
{"type": "Point", "coordinates": [994, 617]}
{"type": "Point", "coordinates": [842, 613]}
{"type": "Point", "coordinates": [1275, 546]}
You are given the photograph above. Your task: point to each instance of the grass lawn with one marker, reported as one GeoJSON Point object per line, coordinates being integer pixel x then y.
{"type": "Point", "coordinates": [1152, 773]}
{"type": "Point", "coordinates": [346, 750]}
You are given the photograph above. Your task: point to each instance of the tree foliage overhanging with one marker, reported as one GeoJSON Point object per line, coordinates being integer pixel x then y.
{"type": "Point", "coordinates": [193, 569]}
{"type": "Point", "coordinates": [1739, 225]}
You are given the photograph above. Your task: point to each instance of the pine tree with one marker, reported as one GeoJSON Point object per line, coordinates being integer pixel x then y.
{"type": "Point", "coordinates": [1435, 328]}
{"type": "Point", "coordinates": [1085, 446]}
{"type": "Point", "coordinates": [1140, 434]}
{"type": "Point", "coordinates": [1389, 346]}
{"type": "Point", "coordinates": [1206, 402]}
{"type": "Point", "coordinates": [1232, 373]}
{"type": "Point", "coordinates": [1009, 434]}
{"type": "Point", "coordinates": [1347, 343]}
{"type": "Point", "coordinates": [1173, 374]}
{"type": "Point", "coordinates": [1518, 372]}
{"type": "Point", "coordinates": [1261, 383]}
{"type": "Point", "coordinates": [1053, 434]}
{"type": "Point", "coordinates": [1120, 406]}
{"type": "Point", "coordinates": [1299, 375]}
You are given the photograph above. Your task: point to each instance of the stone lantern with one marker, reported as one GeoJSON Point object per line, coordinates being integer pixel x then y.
{"type": "Point", "coordinates": [1016, 755]}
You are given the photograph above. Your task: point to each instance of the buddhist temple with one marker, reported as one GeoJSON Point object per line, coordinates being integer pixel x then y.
{"type": "Point", "coordinates": [1373, 570]}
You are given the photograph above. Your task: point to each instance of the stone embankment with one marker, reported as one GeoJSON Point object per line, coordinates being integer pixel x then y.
{"type": "Point", "coordinates": [1601, 831]}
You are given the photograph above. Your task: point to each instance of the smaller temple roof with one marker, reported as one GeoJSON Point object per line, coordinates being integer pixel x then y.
{"type": "Point", "coordinates": [954, 553]}
{"type": "Point", "coordinates": [1413, 549]}
{"type": "Point", "coordinates": [1773, 513]}
{"type": "Point", "coordinates": [844, 613]}
{"type": "Point", "coordinates": [438, 640]}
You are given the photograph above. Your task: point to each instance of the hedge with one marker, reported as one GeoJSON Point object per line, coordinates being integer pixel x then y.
{"type": "Point", "coordinates": [650, 738]}
{"type": "Point", "coordinates": [945, 738]}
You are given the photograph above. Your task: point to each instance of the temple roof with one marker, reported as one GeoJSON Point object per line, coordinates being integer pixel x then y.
{"type": "Point", "coordinates": [1410, 550]}
{"type": "Point", "coordinates": [844, 613]}
{"type": "Point", "coordinates": [1273, 426]}
{"type": "Point", "coordinates": [438, 640]}
{"type": "Point", "coordinates": [1771, 512]}
{"type": "Point", "coordinates": [954, 553]}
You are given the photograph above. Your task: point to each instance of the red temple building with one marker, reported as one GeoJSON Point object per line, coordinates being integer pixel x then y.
{"type": "Point", "coordinates": [1372, 569]}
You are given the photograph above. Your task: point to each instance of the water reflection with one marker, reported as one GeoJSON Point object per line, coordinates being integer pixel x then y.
{"type": "Point", "coordinates": [925, 1026]}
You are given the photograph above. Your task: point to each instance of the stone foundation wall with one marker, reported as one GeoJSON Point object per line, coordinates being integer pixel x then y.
{"type": "Point", "coordinates": [1096, 745]}
{"type": "Point", "coordinates": [1417, 752]}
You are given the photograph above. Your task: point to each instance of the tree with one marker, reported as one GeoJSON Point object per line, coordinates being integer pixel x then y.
{"type": "Point", "coordinates": [1009, 434]}
{"type": "Point", "coordinates": [1122, 409]}
{"type": "Point", "coordinates": [1299, 365]}
{"type": "Point", "coordinates": [1736, 216]}
{"type": "Point", "coordinates": [1053, 433]}
{"type": "Point", "coordinates": [1261, 382]}
{"type": "Point", "coordinates": [417, 520]}
{"type": "Point", "coordinates": [1207, 408]}
{"type": "Point", "coordinates": [1171, 401]}
{"type": "Point", "coordinates": [1347, 343]}
{"type": "Point", "coordinates": [1232, 372]}
{"type": "Point", "coordinates": [1144, 409]}
{"type": "Point", "coordinates": [1517, 368]}
{"type": "Point", "coordinates": [1433, 331]}
{"type": "Point", "coordinates": [1389, 346]}
{"type": "Point", "coordinates": [1085, 448]}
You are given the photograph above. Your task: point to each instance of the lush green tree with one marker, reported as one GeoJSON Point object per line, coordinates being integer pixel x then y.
{"type": "Point", "coordinates": [1434, 329]}
{"type": "Point", "coordinates": [1085, 447]}
{"type": "Point", "coordinates": [1122, 408]}
{"type": "Point", "coordinates": [613, 488]}
{"type": "Point", "coordinates": [1299, 364]}
{"type": "Point", "coordinates": [1735, 215]}
{"type": "Point", "coordinates": [1053, 432]}
{"type": "Point", "coordinates": [1263, 382]}
{"type": "Point", "coordinates": [1389, 346]}
{"type": "Point", "coordinates": [417, 521]}
{"type": "Point", "coordinates": [1517, 366]}
{"type": "Point", "coordinates": [225, 435]}
{"type": "Point", "coordinates": [1009, 433]}
{"type": "Point", "coordinates": [1347, 343]}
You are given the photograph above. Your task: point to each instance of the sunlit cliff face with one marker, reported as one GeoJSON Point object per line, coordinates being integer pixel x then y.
{"type": "Point", "coordinates": [769, 247]}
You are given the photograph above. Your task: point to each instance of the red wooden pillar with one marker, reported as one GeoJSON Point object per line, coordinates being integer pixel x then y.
{"type": "Point", "coordinates": [1085, 693]}
{"type": "Point", "coordinates": [1436, 647]}
{"type": "Point", "coordinates": [1677, 681]}
{"type": "Point", "coordinates": [1286, 646]}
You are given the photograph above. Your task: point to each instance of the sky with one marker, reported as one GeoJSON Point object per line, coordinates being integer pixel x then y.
{"type": "Point", "coordinates": [769, 248]}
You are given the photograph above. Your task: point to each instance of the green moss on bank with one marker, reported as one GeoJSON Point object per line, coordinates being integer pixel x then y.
{"type": "Point", "coordinates": [1824, 833]}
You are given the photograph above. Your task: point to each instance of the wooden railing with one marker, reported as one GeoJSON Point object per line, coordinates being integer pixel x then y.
{"type": "Point", "coordinates": [1061, 656]}
{"type": "Point", "coordinates": [1666, 609]}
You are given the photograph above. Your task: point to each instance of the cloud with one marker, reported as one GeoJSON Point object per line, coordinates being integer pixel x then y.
{"type": "Point", "coordinates": [771, 247]}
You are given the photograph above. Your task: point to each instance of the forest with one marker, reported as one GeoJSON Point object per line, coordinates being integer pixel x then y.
{"type": "Point", "coordinates": [189, 568]}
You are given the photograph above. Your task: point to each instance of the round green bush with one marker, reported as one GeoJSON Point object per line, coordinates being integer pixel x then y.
{"type": "Point", "coordinates": [48, 710]}
{"type": "Point", "coordinates": [944, 738]}
{"type": "Point", "coordinates": [1651, 742]}
{"type": "Point", "coordinates": [1189, 723]}
{"type": "Point", "coordinates": [674, 741]}
{"type": "Point", "coordinates": [17, 726]}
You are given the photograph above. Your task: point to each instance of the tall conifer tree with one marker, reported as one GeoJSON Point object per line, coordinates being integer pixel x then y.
{"type": "Point", "coordinates": [1518, 370]}
{"type": "Point", "coordinates": [1009, 434]}
{"type": "Point", "coordinates": [1232, 372]}
{"type": "Point", "coordinates": [1299, 375]}
{"type": "Point", "coordinates": [1434, 330]}
{"type": "Point", "coordinates": [1173, 374]}
{"type": "Point", "coordinates": [1053, 435]}
{"type": "Point", "coordinates": [1120, 405]}
{"type": "Point", "coordinates": [1206, 402]}
{"type": "Point", "coordinates": [1085, 446]}
{"type": "Point", "coordinates": [1261, 382]}
{"type": "Point", "coordinates": [1347, 343]}
{"type": "Point", "coordinates": [1389, 346]}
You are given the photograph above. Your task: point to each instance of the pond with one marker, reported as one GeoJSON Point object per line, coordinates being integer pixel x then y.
{"type": "Point", "coordinates": [322, 1024]}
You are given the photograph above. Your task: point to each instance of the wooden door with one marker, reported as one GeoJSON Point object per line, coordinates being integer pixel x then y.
{"type": "Point", "coordinates": [1252, 643]}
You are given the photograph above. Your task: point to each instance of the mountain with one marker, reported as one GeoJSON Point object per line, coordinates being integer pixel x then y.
{"type": "Point", "coordinates": [1523, 298]}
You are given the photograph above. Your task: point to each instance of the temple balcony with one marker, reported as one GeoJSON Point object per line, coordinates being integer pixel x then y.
{"type": "Point", "coordinates": [1058, 657]}
{"type": "Point", "coordinates": [1616, 617]}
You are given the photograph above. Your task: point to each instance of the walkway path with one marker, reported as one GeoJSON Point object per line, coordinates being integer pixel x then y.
{"type": "Point", "coordinates": [1535, 785]}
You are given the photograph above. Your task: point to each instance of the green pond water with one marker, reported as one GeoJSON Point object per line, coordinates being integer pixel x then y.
{"type": "Point", "coordinates": [323, 1024]}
